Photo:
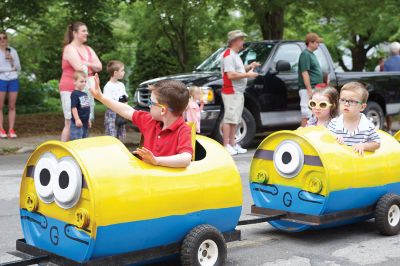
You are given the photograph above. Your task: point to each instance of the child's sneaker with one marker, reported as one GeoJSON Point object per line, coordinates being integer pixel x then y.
{"type": "Point", "coordinates": [239, 149]}
{"type": "Point", "coordinates": [231, 150]}
{"type": "Point", "coordinates": [3, 134]}
{"type": "Point", "coordinates": [11, 134]}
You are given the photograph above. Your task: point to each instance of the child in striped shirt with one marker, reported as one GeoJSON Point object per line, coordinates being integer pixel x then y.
{"type": "Point", "coordinates": [352, 127]}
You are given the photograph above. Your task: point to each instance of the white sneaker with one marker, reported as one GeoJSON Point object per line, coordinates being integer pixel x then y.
{"type": "Point", "coordinates": [231, 150]}
{"type": "Point", "coordinates": [239, 149]}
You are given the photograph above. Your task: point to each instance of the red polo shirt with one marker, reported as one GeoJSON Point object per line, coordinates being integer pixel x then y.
{"type": "Point", "coordinates": [173, 140]}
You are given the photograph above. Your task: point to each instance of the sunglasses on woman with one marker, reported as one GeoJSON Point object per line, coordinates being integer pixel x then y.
{"type": "Point", "coordinates": [321, 105]}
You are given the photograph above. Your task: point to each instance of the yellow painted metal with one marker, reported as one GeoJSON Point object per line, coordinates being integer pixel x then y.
{"type": "Point", "coordinates": [342, 167]}
{"type": "Point", "coordinates": [31, 202]}
{"type": "Point", "coordinates": [121, 188]}
{"type": "Point", "coordinates": [82, 219]}
{"type": "Point", "coordinates": [397, 135]}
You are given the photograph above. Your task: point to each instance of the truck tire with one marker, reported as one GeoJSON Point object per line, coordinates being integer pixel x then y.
{"type": "Point", "coordinates": [375, 113]}
{"type": "Point", "coordinates": [387, 215]}
{"type": "Point", "coordinates": [203, 246]}
{"type": "Point", "coordinates": [245, 132]}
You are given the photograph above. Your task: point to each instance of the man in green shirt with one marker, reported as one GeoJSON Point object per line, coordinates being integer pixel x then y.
{"type": "Point", "coordinates": [310, 74]}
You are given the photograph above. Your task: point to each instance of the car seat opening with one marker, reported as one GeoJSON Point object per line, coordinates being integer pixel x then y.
{"type": "Point", "coordinates": [199, 152]}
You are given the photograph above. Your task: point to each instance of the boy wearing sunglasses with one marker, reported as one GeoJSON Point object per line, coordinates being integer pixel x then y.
{"type": "Point", "coordinates": [352, 127]}
{"type": "Point", "coordinates": [167, 138]}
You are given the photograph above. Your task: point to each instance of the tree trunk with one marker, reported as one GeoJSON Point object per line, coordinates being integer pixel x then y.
{"type": "Point", "coordinates": [270, 19]}
{"type": "Point", "coordinates": [272, 25]}
{"type": "Point", "coordinates": [359, 51]}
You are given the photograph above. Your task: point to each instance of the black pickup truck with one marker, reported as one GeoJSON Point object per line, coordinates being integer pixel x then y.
{"type": "Point", "coordinates": [272, 99]}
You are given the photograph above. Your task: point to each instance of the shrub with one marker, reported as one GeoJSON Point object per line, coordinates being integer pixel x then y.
{"type": "Point", "coordinates": [35, 97]}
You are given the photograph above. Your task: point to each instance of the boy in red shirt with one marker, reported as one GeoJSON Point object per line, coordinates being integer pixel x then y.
{"type": "Point", "coordinates": [167, 139]}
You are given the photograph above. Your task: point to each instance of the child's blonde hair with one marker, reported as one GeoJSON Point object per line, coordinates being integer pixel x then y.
{"type": "Point", "coordinates": [193, 90]}
{"type": "Point", "coordinates": [333, 97]}
{"type": "Point", "coordinates": [357, 87]}
{"type": "Point", "coordinates": [79, 74]}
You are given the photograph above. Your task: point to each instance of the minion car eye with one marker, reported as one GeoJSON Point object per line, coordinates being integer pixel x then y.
{"type": "Point", "coordinates": [288, 158]}
{"type": "Point", "coordinates": [67, 183]}
{"type": "Point", "coordinates": [43, 175]}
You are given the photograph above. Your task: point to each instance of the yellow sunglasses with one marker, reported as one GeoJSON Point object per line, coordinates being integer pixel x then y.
{"type": "Point", "coordinates": [322, 105]}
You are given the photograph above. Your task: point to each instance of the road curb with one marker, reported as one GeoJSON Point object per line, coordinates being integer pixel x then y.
{"type": "Point", "coordinates": [16, 150]}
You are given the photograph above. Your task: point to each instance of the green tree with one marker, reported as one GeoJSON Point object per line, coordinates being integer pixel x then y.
{"type": "Point", "coordinates": [354, 25]}
{"type": "Point", "coordinates": [175, 36]}
{"type": "Point", "coordinates": [17, 13]}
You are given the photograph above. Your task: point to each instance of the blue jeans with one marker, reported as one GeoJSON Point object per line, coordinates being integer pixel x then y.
{"type": "Point", "coordinates": [78, 132]}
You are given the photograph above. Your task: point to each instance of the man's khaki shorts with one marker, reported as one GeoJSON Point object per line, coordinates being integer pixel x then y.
{"type": "Point", "coordinates": [66, 103]}
{"type": "Point", "coordinates": [233, 106]}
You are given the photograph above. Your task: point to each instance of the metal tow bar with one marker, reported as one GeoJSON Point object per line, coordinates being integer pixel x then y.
{"type": "Point", "coordinates": [262, 219]}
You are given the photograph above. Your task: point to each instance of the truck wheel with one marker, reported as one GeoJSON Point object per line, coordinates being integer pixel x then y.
{"type": "Point", "coordinates": [245, 132]}
{"type": "Point", "coordinates": [387, 215]}
{"type": "Point", "coordinates": [375, 113]}
{"type": "Point", "coordinates": [203, 246]}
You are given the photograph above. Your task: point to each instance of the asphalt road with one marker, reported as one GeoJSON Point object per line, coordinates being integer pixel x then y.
{"type": "Point", "coordinates": [357, 244]}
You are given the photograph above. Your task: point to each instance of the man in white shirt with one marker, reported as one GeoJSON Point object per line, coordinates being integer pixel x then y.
{"type": "Point", "coordinates": [234, 75]}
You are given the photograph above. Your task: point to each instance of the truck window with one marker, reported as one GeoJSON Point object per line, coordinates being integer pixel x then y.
{"type": "Point", "coordinates": [256, 52]}
{"type": "Point", "coordinates": [213, 62]}
{"type": "Point", "coordinates": [322, 60]}
{"type": "Point", "coordinates": [289, 52]}
{"type": "Point", "coordinates": [252, 52]}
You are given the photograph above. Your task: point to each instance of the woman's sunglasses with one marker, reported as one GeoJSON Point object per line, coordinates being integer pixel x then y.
{"type": "Point", "coordinates": [321, 105]}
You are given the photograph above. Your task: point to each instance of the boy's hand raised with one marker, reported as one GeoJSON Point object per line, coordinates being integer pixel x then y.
{"type": "Point", "coordinates": [96, 91]}
{"type": "Point", "coordinates": [146, 155]}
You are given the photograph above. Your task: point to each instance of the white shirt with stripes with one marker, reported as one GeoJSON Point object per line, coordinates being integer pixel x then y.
{"type": "Point", "coordinates": [365, 131]}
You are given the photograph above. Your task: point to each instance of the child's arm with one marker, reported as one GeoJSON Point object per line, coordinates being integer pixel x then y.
{"type": "Point", "coordinates": [201, 105]}
{"type": "Point", "coordinates": [181, 160]}
{"type": "Point", "coordinates": [78, 121]}
{"type": "Point", "coordinates": [371, 146]}
{"type": "Point", "coordinates": [122, 109]}
{"type": "Point", "coordinates": [367, 146]}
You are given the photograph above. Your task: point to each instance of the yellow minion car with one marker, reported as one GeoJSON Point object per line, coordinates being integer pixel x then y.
{"type": "Point", "coordinates": [304, 179]}
{"type": "Point", "coordinates": [92, 200]}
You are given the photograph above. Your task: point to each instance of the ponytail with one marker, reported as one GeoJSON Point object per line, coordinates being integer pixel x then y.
{"type": "Point", "coordinates": [69, 36]}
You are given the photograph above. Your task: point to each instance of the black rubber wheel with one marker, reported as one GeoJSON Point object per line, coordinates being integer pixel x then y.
{"type": "Point", "coordinates": [387, 215]}
{"type": "Point", "coordinates": [247, 129]}
{"type": "Point", "coordinates": [203, 245]}
{"type": "Point", "coordinates": [375, 113]}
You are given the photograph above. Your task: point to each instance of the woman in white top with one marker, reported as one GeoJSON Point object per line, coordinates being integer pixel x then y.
{"type": "Point", "coordinates": [9, 67]}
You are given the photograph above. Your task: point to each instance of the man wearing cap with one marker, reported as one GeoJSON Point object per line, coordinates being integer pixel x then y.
{"type": "Point", "coordinates": [234, 75]}
{"type": "Point", "coordinates": [392, 64]}
{"type": "Point", "coordinates": [310, 74]}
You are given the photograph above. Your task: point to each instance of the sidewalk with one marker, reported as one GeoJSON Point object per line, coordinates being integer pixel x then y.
{"type": "Point", "coordinates": [29, 144]}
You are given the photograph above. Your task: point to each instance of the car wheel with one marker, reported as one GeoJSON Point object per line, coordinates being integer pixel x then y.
{"type": "Point", "coordinates": [245, 131]}
{"type": "Point", "coordinates": [387, 215]}
{"type": "Point", "coordinates": [203, 246]}
{"type": "Point", "coordinates": [375, 113]}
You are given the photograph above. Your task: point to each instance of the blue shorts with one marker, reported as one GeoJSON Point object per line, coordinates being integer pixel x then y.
{"type": "Point", "coordinates": [78, 132]}
{"type": "Point", "coordinates": [9, 85]}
